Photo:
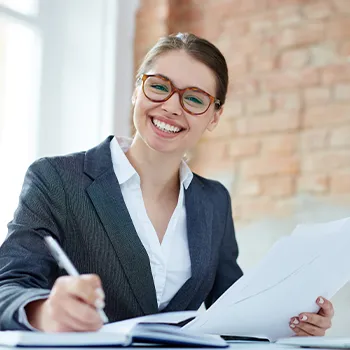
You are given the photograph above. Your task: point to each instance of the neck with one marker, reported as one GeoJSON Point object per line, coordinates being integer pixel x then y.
{"type": "Point", "coordinates": [159, 173]}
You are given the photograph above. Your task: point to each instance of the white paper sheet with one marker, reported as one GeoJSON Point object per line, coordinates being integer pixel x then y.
{"type": "Point", "coordinates": [166, 317]}
{"type": "Point", "coordinates": [314, 260]}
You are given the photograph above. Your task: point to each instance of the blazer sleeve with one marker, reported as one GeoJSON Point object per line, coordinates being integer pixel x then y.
{"type": "Point", "coordinates": [228, 271]}
{"type": "Point", "coordinates": [27, 269]}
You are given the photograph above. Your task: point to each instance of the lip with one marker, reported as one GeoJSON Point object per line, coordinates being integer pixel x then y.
{"type": "Point", "coordinates": [163, 134]}
{"type": "Point", "coordinates": [167, 121]}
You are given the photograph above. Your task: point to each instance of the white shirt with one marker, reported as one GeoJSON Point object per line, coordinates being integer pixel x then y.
{"type": "Point", "coordinates": [170, 271]}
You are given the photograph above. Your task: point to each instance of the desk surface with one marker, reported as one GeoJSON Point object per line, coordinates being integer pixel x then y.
{"type": "Point", "coordinates": [233, 346]}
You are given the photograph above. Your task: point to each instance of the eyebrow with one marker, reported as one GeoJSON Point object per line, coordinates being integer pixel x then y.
{"type": "Point", "coordinates": [195, 87]}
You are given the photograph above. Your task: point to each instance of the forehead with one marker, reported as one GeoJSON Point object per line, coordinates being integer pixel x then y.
{"type": "Point", "coordinates": [184, 71]}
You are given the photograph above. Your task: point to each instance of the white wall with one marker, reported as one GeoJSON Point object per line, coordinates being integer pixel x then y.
{"type": "Point", "coordinates": [87, 72]}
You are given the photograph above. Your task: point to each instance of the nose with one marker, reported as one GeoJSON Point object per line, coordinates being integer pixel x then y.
{"type": "Point", "coordinates": [173, 105]}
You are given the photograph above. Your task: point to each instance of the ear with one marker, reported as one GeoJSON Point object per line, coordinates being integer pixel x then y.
{"type": "Point", "coordinates": [215, 119]}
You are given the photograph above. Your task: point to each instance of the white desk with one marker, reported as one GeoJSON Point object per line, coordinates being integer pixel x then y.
{"type": "Point", "coordinates": [235, 346]}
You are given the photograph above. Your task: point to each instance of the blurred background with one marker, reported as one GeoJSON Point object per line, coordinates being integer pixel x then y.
{"type": "Point", "coordinates": [282, 147]}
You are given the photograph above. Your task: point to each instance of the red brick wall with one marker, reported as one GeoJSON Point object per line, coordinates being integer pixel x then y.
{"type": "Point", "coordinates": [285, 132]}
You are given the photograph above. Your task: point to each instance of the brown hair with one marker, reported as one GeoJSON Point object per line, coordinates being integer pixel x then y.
{"type": "Point", "coordinates": [198, 48]}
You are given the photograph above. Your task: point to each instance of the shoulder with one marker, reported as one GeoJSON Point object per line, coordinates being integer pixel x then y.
{"type": "Point", "coordinates": [58, 164]}
{"type": "Point", "coordinates": [214, 189]}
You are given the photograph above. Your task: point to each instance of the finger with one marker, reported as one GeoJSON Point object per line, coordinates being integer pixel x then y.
{"type": "Point", "coordinates": [74, 315]}
{"type": "Point", "coordinates": [85, 287]}
{"type": "Point", "coordinates": [315, 319]}
{"type": "Point", "coordinates": [299, 332]}
{"type": "Point", "coordinates": [83, 316]}
{"type": "Point", "coordinates": [302, 327]}
{"type": "Point", "coordinates": [326, 307]}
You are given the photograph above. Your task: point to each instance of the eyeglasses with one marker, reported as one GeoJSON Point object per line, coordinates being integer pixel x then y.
{"type": "Point", "coordinates": [193, 100]}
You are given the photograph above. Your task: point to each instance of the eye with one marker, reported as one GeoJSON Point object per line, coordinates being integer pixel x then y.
{"type": "Point", "coordinates": [160, 87]}
{"type": "Point", "coordinates": [194, 99]}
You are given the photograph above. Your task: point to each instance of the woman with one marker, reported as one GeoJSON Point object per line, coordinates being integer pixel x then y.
{"type": "Point", "coordinates": [157, 236]}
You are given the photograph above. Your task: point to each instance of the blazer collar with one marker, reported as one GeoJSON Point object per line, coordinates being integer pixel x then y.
{"type": "Point", "coordinates": [108, 201]}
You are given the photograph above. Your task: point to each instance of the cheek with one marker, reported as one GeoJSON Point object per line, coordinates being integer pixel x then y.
{"type": "Point", "coordinates": [142, 107]}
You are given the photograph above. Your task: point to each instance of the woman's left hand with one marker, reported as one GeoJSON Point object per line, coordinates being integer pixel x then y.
{"type": "Point", "coordinates": [312, 324]}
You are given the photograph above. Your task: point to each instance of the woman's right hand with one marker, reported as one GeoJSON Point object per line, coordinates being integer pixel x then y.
{"type": "Point", "coordinates": [70, 307]}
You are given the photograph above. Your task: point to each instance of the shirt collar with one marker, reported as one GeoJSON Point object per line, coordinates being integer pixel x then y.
{"type": "Point", "coordinates": [125, 171]}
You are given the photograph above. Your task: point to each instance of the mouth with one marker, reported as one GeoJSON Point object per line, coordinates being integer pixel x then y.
{"type": "Point", "coordinates": [166, 128]}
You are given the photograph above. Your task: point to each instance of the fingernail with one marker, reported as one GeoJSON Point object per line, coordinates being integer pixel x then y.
{"type": "Point", "coordinates": [296, 321]}
{"type": "Point", "coordinates": [303, 318]}
{"type": "Point", "coordinates": [320, 300]}
{"type": "Point", "coordinates": [100, 293]}
{"type": "Point", "coordinates": [99, 304]}
{"type": "Point", "coordinates": [292, 326]}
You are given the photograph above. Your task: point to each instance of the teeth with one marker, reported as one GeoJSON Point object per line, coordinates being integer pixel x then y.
{"type": "Point", "coordinates": [165, 127]}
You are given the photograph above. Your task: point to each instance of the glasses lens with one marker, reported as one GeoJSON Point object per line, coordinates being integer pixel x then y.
{"type": "Point", "coordinates": [157, 89]}
{"type": "Point", "coordinates": [195, 101]}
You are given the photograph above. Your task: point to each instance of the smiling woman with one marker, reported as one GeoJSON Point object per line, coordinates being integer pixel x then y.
{"type": "Point", "coordinates": [157, 236]}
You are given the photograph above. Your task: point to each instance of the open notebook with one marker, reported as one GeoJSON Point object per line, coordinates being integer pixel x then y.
{"type": "Point", "coordinates": [149, 333]}
{"type": "Point", "coordinates": [152, 329]}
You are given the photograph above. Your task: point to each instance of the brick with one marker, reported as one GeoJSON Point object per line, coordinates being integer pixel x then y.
{"type": "Point", "coordinates": [338, 28]}
{"type": "Point", "coordinates": [343, 6]}
{"type": "Point", "coordinates": [279, 3]}
{"type": "Point", "coordinates": [233, 108]}
{"type": "Point", "coordinates": [263, 23]}
{"type": "Point", "coordinates": [340, 137]}
{"type": "Point", "coordinates": [314, 139]}
{"type": "Point", "coordinates": [255, 208]}
{"type": "Point", "coordinates": [309, 33]}
{"type": "Point", "coordinates": [234, 28]}
{"type": "Point", "coordinates": [281, 121]}
{"type": "Point", "coordinates": [326, 115]}
{"type": "Point", "coordinates": [209, 150]}
{"type": "Point", "coordinates": [270, 165]}
{"type": "Point", "coordinates": [244, 147]}
{"type": "Point", "coordinates": [324, 54]}
{"type": "Point", "coordinates": [249, 188]}
{"type": "Point", "coordinates": [249, 44]}
{"type": "Point", "coordinates": [287, 101]}
{"type": "Point", "coordinates": [244, 87]}
{"type": "Point", "coordinates": [344, 50]}
{"type": "Point", "coordinates": [313, 183]}
{"type": "Point", "coordinates": [278, 186]}
{"type": "Point", "coordinates": [287, 80]}
{"type": "Point", "coordinates": [317, 95]}
{"type": "Point", "coordinates": [261, 104]}
{"type": "Point", "coordinates": [238, 66]}
{"type": "Point", "coordinates": [340, 183]}
{"type": "Point", "coordinates": [317, 10]}
{"type": "Point", "coordinates": [237, 8]}
{"type": "Point", "coordinates": [335, 73]}
{"type": "Point", "coordinates": [224, 129]}
{"type": "Point", "coordinates": [288, 16]}
{"type": "Point", "coordinates": [280, 145]}
{"type": "Point", "coordinates": [262, 63]}
{"type": "Point", "coordinates": [295, 59]}
{"type": "Point", "coordinates": [325, 161]}
{"type": "Point", "coordinates": [342, 92]}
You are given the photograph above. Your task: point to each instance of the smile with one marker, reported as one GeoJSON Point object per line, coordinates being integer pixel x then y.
{"type": "Point", "coordinates": [171, 129]}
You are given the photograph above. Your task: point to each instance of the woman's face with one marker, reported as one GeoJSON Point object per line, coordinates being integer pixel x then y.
{"type": "Point", "coordinates": [153, 119]}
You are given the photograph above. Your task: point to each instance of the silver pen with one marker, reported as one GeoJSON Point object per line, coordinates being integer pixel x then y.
{"type": "Point", "coordinates": [64, 262]}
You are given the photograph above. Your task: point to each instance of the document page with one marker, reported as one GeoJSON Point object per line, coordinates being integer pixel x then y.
{"type": "Point", "coordinates": [166, 317]}
{"type": "Point", "coordinates": [312, 261]}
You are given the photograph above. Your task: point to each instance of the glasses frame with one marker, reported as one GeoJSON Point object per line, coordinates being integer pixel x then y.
{"type": "Point", "coordinates": [174, 89]}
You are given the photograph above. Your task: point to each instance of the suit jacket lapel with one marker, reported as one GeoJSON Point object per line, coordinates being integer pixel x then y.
{"type": "Point", "coordinates": [108, 201]}
{"type": "Point", "coordinates": [199, 211]}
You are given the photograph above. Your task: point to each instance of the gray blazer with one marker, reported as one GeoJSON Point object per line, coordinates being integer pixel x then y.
{"type": "Point", "coordinates": [77, 199]}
